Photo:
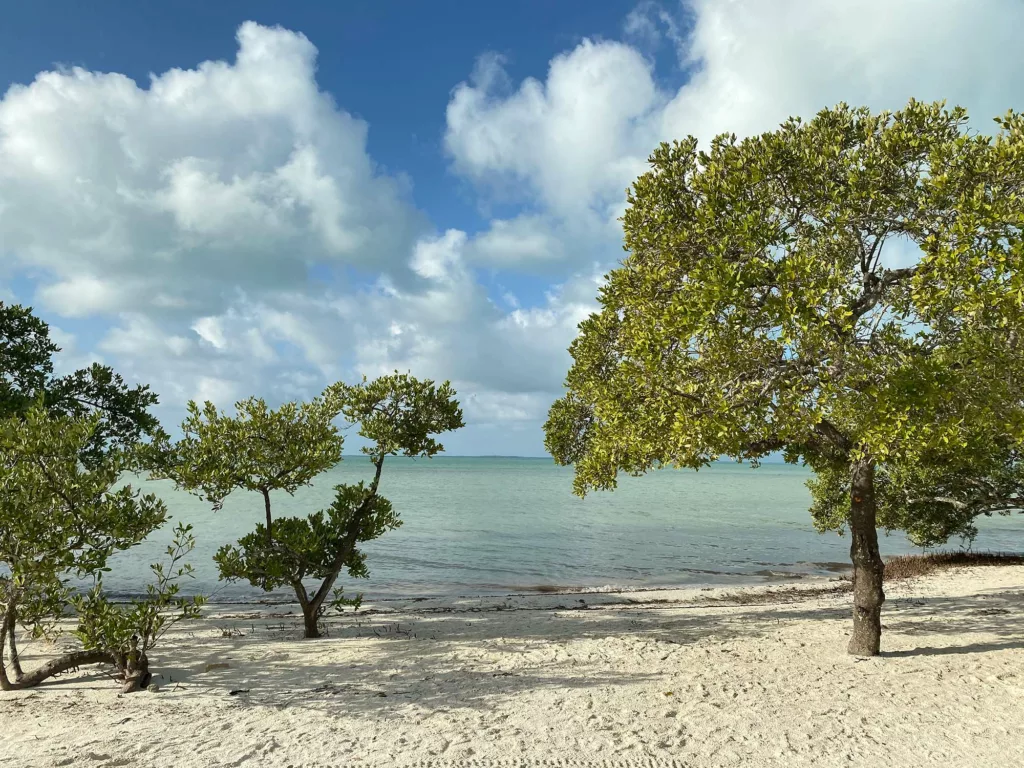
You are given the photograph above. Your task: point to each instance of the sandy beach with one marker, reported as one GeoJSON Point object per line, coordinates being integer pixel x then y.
{"type": "Point", "coordinates": [755, 676]}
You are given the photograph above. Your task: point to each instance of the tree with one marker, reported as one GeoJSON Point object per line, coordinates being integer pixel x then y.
{"type": "Point", "coordinates": [264, 451]}
{"type": "Point", "coordinates": [758, 311]}
{"type": "Point", "coordinates": [128, 632]}
{"type": "Point", "coordinates": [938, 497]}
{"type": "Point", "coordinates": [59, 518]}
{"type": "Point", "coordinates": [26, 373]}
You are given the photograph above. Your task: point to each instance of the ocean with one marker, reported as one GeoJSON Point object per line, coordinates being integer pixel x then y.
{"type": "Point", "coordinates": [486, 526]}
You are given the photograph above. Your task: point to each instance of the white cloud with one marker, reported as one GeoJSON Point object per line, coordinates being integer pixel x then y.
{"type": "Point", "coordinates": [759, 63]}
{"type": "Point", "coordinates": [649, 23]}
{"type": "Point", "coordinates": [453, 330]}
{"type": "Point", "coordinates": [70, 358]}
{"type": "Point", "coordinates": [222, 392]}
{"type": "Point", "coordinates": [570, 145]}
{"type": "Point", "coordinates": [527, 242]}
{"type": "Point", "coordinates": [244, 173]}
{"type": "Point", "coordinates": [435, 259]}
{"type": "Point", "coordinates": [573, 141]}
{"type": "Point", "coordinates": [211, 331]}
{"type": "Point", "coordinates": [81, 295]}
{"type": "Point", "coordinates": [141, 336]}
{"type": "Point", "coordinates": [189, 210]}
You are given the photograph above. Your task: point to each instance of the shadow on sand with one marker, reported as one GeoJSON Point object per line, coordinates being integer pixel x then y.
{"type": "Point", "coordinates": [472, 656]}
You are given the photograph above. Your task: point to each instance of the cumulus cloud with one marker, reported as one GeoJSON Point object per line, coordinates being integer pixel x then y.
{"type": "Point", "coordinates": [238, 174]}
{"type": "Point", "coordinates": [571, 140]}
{"type": "Point", "coordinates": [759, 63]}
{"type": "Point", "coordinates": [572, 143]}
{"type": "Point", "coordinates": [453, 330]}
{"type": "Point", "coordinates": [650, 24]}
{"type": "Point", "coordinates": [188, 210]}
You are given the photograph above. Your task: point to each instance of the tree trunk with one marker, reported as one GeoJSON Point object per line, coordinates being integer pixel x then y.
{"type": "Point", "coordinates": [312, 608]}
{"type": "Point", "coordinates": [270, 522]}
{"type": "Point", "coordinates": [54, 667]}
{"type": "Point", "coordinates": [136, 675]}
{"type": "Point", "coordinates": [11, 627]}
{"type": "Point", "coordinates": [868, 567]}
{"type": "Point", "coordinates": [50, 669]}
{"type": "Point", "coordinates": [309, 619]}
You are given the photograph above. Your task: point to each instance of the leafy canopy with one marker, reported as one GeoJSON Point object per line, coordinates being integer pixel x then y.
{"type": "Point", "coordinates": [26, 374]}
{"type": "Point", "coordinates": [59, 518]}
{"type": "Point", "coordinates": [257, 449]}
{"type": "Point", "coordinates": [129, 631]}
{"type": "Point", "coordinates": [843, 288]}
{"type": "Point", "coordinates": [265, 450]}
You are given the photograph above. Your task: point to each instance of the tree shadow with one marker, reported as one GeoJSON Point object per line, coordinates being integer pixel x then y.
{"type": "Point", "coordinates": [434, 663]}
{"type": "Point", "coordinates": [995, 613]}
{"type": "Point", "coordinates": [474, 654]}
{"type": "Point", "coordinates": [954, 649]}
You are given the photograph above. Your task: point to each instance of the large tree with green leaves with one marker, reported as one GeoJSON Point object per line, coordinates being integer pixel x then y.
{"type": "Point", "coordinates": [26, 374]}
{"type": "Point", "coordinates": [265, 451]}
{"type": "Point", "coordinates": [759, 310]}
{"type": "Point", "coordinates": [61, 519]}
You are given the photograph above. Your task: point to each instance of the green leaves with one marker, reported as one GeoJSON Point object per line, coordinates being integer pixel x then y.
{"type": "Point", "coordinates": [26, 353]}
{"type": "Point", "coordinates": [26, 379]}
{"type": "Point", "coordinates": [57, 515]}
{"type": "Point", "coordinates": [266, 450]}
{"type": "Point", "coordinates": [60, 518]}
{"type": "Point", "coordinates": [258, 449]}
{"type": "Point", "coordinates": [761, 308]}
{"type": "Point", "coordinates": [310, 547]}
{"type": "Point", "coordinates": [129, 631]}
{"type": "Point", "coordinates": [400, 413]}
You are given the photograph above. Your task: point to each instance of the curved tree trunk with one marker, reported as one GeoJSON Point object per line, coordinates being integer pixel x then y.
{"type": "Point", "coordinates": [868, 568]}
{"type": "Point", "coordinates": [54, 667]}
{"type": "Point", "coordinates": [50, 669]}
{"type": "Point", "coordinates": [136, 675]}
{"type": "Point", "coordinates": [309, 611]}
{"type": "Point", "coordinates": [312, 608]}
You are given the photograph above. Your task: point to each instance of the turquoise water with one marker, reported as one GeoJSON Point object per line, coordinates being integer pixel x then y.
{"type": "Point", "coordinates": [500, 525]}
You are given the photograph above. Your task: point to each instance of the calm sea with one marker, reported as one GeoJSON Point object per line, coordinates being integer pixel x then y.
{"type": "Point", "coordinates": [500, 525]}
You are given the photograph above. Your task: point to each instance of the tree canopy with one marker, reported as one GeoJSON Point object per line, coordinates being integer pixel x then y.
{"type": "Point", "coordinates": [266, 450]}
{"type": "Point", "coordinates": [846, 290]}
{"type": "Point", "coordinates": [59, 519]}
{"type": "Point", "coordinates": [26, 374]}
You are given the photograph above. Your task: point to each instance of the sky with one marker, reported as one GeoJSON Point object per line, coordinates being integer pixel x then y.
{"type": "Point", "coordinates": [260, 198]}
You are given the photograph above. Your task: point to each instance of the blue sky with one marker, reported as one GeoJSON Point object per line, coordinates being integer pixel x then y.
{"type": "Point", "coordinates": [224, 199]}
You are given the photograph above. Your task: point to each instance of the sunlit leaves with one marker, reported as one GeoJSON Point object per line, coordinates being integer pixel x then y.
{"type": "Point", "coordinates": [128, 631]}
{"type": "Point", "coordinates": [257, 448]}
{"type": "Point", "coordinates": [399, 413]}
{"type": "Point", "coordinates": [266, 450]}
{"type": "Point", "coordinates": [26, 378]}
{"type": "Point", "coordinates": [59, 518]}
{"type": "Point", "coordinates": [758, 309]}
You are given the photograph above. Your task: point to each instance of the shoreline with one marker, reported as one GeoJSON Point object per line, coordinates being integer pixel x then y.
{"type": "Point", "coordinates": [754, 675]}
{"type": "Point", "coordinates": [764, 578]}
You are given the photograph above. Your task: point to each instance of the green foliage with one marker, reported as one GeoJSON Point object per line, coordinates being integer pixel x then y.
{"type": "Point", "coordinates": [129, 631]}
{"type": "Point", "coordinates": [755, 313]}
{"type": "Point", "coordinates": [399, 413]}
{"type": "Point", "coordinates": [265, 450]}
{"type": "Point", "coordinates": [60, 518]}
{"type": "Point", "coordinates": [26, 353]}
{"type": "Point", "coordinates": [258, 449]}
{"type": "Point", "coordinates": [308, 547]}
{"type": "Point", "coordinates": [26, 375]}
{"type": "Point", "coordinates": [57, 516]}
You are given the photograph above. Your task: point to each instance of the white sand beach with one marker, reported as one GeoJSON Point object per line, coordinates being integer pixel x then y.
{"type": "Point", "coordinates": [631, 679]}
